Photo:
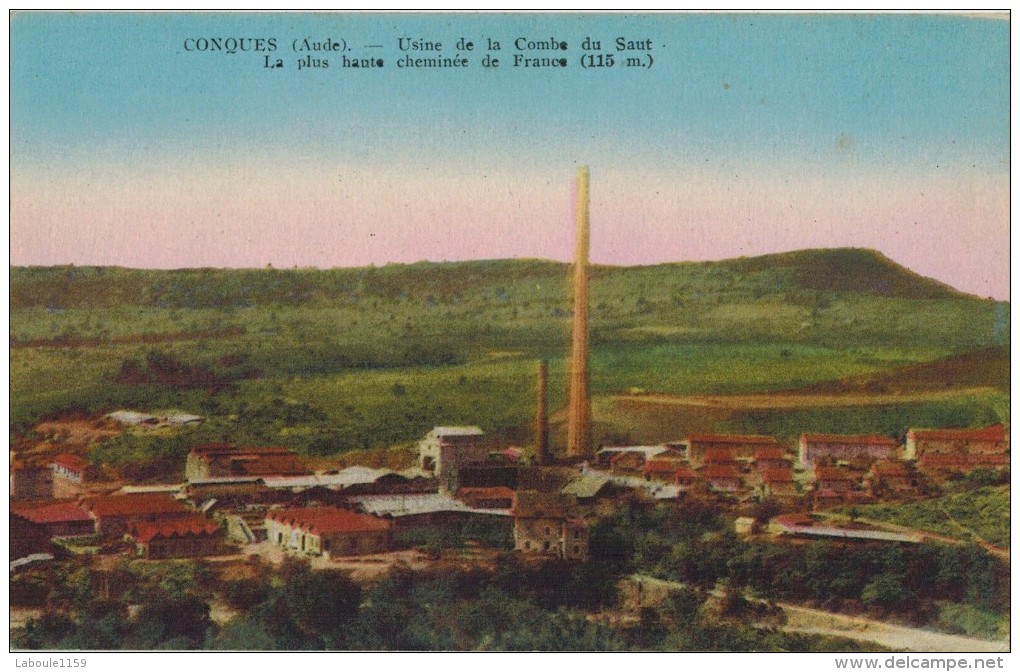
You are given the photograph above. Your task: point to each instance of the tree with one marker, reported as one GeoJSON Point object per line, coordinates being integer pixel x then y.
{"type": "Point", "coordinates": [310, 610]}
{"type": "Point", "coordinates": [885, 592]}
{"type": "Point", "coordinates": [180, 620]}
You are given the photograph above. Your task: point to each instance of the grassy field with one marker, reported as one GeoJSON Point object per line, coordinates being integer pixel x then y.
{"type": "Point", "coordinates": [351, 359]}
{"type": "Point", "coordinates": [983, 512]}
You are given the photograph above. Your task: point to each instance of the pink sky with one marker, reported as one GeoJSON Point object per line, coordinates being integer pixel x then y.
{"type": "Point", "coordinates": [952, 228]}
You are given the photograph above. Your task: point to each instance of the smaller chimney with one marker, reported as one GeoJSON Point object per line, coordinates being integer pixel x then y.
{"type": "Point", "coordinates": [541, 415]}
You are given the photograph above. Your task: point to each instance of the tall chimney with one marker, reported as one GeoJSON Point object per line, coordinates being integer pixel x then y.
{"type": "Point", "coordinates": [579, 427]}
{"type": "Point", "coordinates": [541, 415]}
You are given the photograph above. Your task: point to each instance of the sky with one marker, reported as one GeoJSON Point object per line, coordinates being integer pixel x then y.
{"type": "Point", "coordinates": [748, 134]}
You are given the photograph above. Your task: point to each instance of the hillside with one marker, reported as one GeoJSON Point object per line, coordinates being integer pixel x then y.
{"type": "Point", "coordinates": [328, 361]}
{"type": "Point", "coordinates": [838, 270]}
{"type": "Point", "coordinates": [849, 270]}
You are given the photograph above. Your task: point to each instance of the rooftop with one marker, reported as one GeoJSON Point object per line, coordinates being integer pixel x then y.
{"type": "Point", "coordinates": [329, 520]}
{"type": "Point", "coordinates": [866, 439]}
{"type": "Point", "coordinates": [72, 462]}
{"type": "Point", "coordinates": [777, 475]}
{"type": "Point", "coordinates": [662, 466]}
{"type": "Point", "coordinates": [833, 474]}
{"type": "Point", "coordinates": [185, 527]}
{"type": "Point", "coordinates": [415, 504]}
{"type": "Point", "coordinates": [991, 433]}
{"type": "Point", "coordinates": [648, 451]}
{"type": "Point", "coordinates": [769, 453]}
{"type": "Point", "coordinates": [979, 460]}
{"type": "Point", "coordinates": [496, 492]}
{"type": "Point", "coordinates": [720, 471]}
{"type": "Point", "coordinates": [344, 478]}
{"type": "Point", "coordinates": [533, 504]}
{"type": "Point", "coordinates": [720, 455]}
{"type": "Point", "coordinates": [456, 431]}
{"type": "Point", "coordinates": [139, 504]}
{"type": "Point", "coordinates": [889, 468]}
{"type": "Point", "coordinates": [731, 438]}
{"type": "Point", "coordinates": [58, 512]}
{"type": "Point", "coordinates": [586, 486]}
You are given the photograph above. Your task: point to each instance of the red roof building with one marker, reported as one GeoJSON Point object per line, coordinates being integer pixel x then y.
{"type": "Point", "coordinates": [328, 531]}
{"type": "Point", "coordinates": [58, 519]}
{"type": "Point", "coordinates": [192, 537]}
{"type": "Point", "coordinates": [741, 446]}
{"type": "Point", "coordinates": [685, 477]}
{"type": "Point", "coordinates": [987, 440]}
{"type": "Point", "coordinates": [835, 478]}
{"type": "Point", "coordinates": [769, 453]}
{"type": "Point", "coordinates": [659, 469]}
{"type": "Point", "coordinates": [116, 514]}
{"type": "Point", "coordinates": [720, 456]}
{"type": "Point", "coordinates": [217, 460]}
{"type": "Point", "coordinates": [722, 478]}
{"type": "Point", "coordinates": [939, 463]}
{"type": "Point", "coordinates": [71, 463]}
{"type": "Point", "coordinates": [861, 449]}
{"type": "Point", "coordinates": [778, 482]}
{"type": "Point", "coordinates": [891, 478]}
{"type": "Point", "coordinates": [487, 498]}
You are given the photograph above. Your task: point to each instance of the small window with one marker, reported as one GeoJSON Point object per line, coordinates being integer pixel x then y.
{"type": "Point", "coordinates": [545, 546]}
{"type": "Point", "coordinates": [547, 531]}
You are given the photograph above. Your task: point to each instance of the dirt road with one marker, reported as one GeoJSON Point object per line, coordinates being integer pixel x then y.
{"type": "Point", "coordinates": [900, 638]}
{"type": "Point", "coordinates": [781, 400]}
{"type": "Point", "coordinates": [897, 637]}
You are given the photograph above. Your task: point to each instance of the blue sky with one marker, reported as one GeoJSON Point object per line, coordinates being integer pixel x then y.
{"type": "Point", "coordinates": [731, 102]}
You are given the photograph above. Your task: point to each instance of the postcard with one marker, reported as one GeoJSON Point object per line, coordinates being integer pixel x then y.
{"type": "Point", "coordinates": [510, 332]}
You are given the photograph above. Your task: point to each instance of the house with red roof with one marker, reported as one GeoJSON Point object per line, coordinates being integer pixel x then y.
{"type": "Point", "coordinates": [686, 478]}
{"type": "Point", "coordinates": [837, 479]}
{"type": "Point", "coordinates": [71, 475]}
{"type": "Point", "coordinates": [891, 478]}
{"type": "Point", "coordinates": [193, 537]}
{"type": "Point", "coordinates": [329, 531]}
{"type": "Point", "coordinates": [221, 460]}
{"type": "Point", "coordinates": [859, 449]}
{"type": "Point", "coordinates": [720, 456]}
{"type": "Point", "coordinates": [57, 519]}
{"type": "Point", "coordinates": [662, 469]}
{"type": "Point", "coordinates": [722, 478]}
{"type": "Point", "coordinates": [771, 457]}
{"type": "Point", "coordinates": [778, 482]}
{"type": "Point", "coordinates": [741, 446]}
{"type": "Point", "coordinates": [943, 465]}
{"type": "Point", "coordinates": [116, 514]}
{"type": "Point", "coordinates": [629, 463]}
{"type": "Point", "coordinates": [991, 440]}
{"type": "Point", "coordinates": [498, 497]}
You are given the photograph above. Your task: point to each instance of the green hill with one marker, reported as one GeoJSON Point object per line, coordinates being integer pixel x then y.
{"type": "Point", "coordinates": [849, 270]}
{"type": "Point", "coordinates": [332, 360]}
{"type": "Point", "coordinates": [838, 270]}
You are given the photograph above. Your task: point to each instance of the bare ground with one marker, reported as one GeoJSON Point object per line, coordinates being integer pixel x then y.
{"type": "Point", "coordinates": [782, 400]}
{"type": "Point", "coordinates": [898, 637]}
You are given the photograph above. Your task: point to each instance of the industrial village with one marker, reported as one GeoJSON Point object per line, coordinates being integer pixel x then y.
{"type": "Point", "coordinates": [472, 501]}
